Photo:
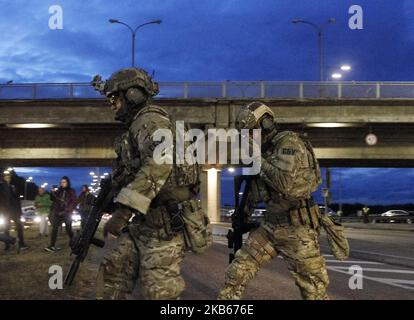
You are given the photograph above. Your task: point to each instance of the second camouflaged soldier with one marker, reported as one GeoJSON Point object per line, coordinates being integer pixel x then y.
{"type": "Point", "coordinates": [168, 218]}
{"type": "Point", "coordinates": [289, 174]}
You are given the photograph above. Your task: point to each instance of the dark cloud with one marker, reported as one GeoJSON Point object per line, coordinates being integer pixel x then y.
{"type": "Point", "coordinates": [205, 40]}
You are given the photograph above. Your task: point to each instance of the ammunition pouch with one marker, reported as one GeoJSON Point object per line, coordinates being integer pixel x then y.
{"type": "Point", "coordinates": [175, 209]}
{"type": "Point", "coordinates": [197, 232]}
{"type": "Point", "coordinates": [336, 237]}
{"type": "Point", "coordinates": [186, 217]}
{"type": "Point", "coordinates": [306, 215]}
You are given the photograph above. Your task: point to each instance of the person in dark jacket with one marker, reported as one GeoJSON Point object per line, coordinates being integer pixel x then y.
{"type": "Point", "coordinates": [85, 201]}
{"type": "Point", "coordinates": [12, 209]}
{"type": "Point", "coordinates": [64, 202]}
{"type": "Point", "coordinates": [7, 239]}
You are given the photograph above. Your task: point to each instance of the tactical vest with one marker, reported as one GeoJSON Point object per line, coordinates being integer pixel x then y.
{"type": "Point", "coordinates": [308, 176]}
{"type": "Point", "coordinates": [128, 161]}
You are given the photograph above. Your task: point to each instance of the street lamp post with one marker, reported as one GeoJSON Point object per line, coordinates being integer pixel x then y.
{"type": "Point", "coordinates": [5, 84]}
{"type": "Point", "coordinates": [30, 179]}
{"type": "Point", "coordinates": [133, 32]}
{"type": "Point", "coordinates": [319, 30]}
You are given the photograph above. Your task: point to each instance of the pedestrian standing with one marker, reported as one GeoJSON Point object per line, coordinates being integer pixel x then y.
{"type": "Point", "coordinates": [43, 204]}
{"type": "Point", "coordinates": [12, 207]}
{"type": "Point", "coordinates": [365, 214]}
{"type": "Point", "coordinates": [64, 202]}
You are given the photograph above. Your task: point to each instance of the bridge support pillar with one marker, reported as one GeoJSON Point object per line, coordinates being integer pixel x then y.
{"type": "Point", "coordinates": [211, 193]}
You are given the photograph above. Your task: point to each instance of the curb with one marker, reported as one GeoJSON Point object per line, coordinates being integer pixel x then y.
{"type": "Point", "coordinates": [373, 227]}
{"type": "Point", "coordinates": [383, 258]}
{"type": "Point", "coordinates": [345, 224]}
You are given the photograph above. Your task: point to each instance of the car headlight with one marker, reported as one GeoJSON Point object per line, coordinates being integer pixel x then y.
{"type": "Point", "coordinates": [76, 217]}
{"type": "Point", "coordinates": [22, 219]}
{"type": "Point", "coordinates": [2, 221]}
{"type": "Point", "coordinates": [37, 219]}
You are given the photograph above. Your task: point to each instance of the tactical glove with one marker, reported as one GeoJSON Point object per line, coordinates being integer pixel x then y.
{"type": "Point", "coordinates": [118, 221]}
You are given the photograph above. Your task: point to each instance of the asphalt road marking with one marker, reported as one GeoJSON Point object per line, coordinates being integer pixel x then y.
{"type": "Point", "coordinates": [353, 261]}
{"type": "Point", "coordinates": [381, 270]}
{"type": "Point", "coordinates": [400, 283]}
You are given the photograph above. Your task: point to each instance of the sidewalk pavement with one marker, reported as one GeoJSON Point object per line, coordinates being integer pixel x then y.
{"type": "Point", "coordinates": [380, 226]}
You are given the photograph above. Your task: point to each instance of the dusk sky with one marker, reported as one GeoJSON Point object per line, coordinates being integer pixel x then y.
{"type": "Point", "coordinates": [214, 40]}
{"type": "Point", "coordinates": [205, 39]}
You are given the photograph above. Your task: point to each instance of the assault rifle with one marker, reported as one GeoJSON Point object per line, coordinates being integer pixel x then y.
{"type": "Point", "coordinates": [82, 241]}
{"type": "Point", "coordinates": [239, 218]}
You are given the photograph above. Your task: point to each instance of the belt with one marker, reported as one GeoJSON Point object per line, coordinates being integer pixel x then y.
{"type": "Point", "coordinates": [279, 219]}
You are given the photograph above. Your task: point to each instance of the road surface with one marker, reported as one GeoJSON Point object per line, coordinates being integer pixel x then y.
{"type": "Point", "coordinates": [205, 274]}
{"type": "Point", "coordinates": [25, 275]}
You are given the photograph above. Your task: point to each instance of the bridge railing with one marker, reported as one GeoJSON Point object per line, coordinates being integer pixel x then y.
{"type": "Point", "coordinates": [226, 89]}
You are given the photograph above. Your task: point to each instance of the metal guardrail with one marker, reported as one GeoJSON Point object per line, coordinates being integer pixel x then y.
{"type": "Point", "coordinates": [372, 218]}
{"type": "Point", "coordinates": [226, 90]}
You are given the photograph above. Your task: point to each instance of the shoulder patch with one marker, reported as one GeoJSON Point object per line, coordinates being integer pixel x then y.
{"type": "Point", "coordinates": [288, 151]}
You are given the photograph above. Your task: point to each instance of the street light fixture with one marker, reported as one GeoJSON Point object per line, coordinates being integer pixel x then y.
{"type": "Point", "coordinates": [336, 76]}
{"type": "Point", "coordinates": [133, 32]}
{"type": "Point", "coordinates": [345, 67]}
{"type": "Point", "coordinates": [319, 29]}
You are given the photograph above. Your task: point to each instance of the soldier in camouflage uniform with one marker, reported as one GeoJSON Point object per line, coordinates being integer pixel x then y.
{"type": "Point", "coordinates": [289, 174]}
{"type": "Point", "coordinates": [168, 219]}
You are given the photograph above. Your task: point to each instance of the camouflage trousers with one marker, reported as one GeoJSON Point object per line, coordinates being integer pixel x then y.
{"type": "Point", "coordinates": [142, 256]}
{"type": "Point", "coordinates": [298, 245]}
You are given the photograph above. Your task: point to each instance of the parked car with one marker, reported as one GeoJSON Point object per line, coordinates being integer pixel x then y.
{"type": "Point", "coordinates": [258, 212]}
{"type": "Point", "coordinates": [395, 213]}
{"type": "Point", "coordinates": [331, 213]}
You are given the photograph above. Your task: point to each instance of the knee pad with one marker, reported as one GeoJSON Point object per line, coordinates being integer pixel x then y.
{"type": "Point", "coordinates": [259, 247]}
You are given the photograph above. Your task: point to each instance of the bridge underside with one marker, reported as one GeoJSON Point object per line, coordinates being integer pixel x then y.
{"type": "Point", "coordinates": [92, 145]}
{"type": "Point", "coordinates": [85, 130]}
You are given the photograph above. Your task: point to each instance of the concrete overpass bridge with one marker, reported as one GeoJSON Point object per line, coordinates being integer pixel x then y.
{"type": "Point", "coordinates": [336, 116]}
{"type": "Point", "coordinates": [70, 125]}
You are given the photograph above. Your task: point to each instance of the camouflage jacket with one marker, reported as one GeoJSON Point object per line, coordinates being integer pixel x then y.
{"type": "Point", "coordinates": [139, 178]}
{"type": "Point", "coordinates": [289, 171]}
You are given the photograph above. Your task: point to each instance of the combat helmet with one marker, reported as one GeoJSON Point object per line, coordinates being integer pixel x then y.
{"type": "Point", "coordinates": [125, 79]}
{"type": "Point", "coordinates": [251, 116]}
